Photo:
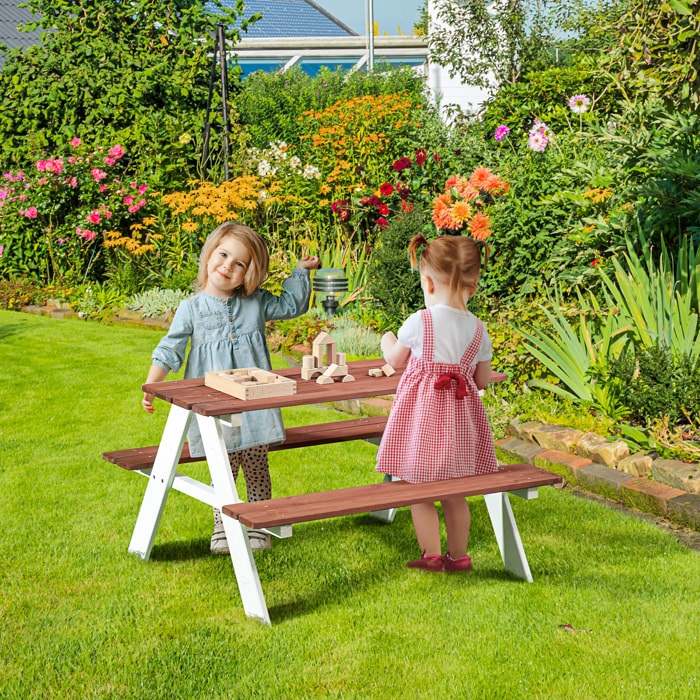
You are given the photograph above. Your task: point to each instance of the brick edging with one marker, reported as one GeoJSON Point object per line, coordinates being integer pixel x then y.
{"type": "Point", "coordinates": [606, 468]}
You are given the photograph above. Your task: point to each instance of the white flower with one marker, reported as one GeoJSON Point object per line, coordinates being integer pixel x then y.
{"type": "Point", "coordinates": [262, 196]}
{"type": "Point", "coordinates": [294, 162]}
{"type": "Point", "coordinates": [537, 141]}
{"type": "Point", "coordinates": [578, 104]}
{"type": "Point", "coordinates": [311, 172]}
{"type": "Point", "coordinates": [264, 168]}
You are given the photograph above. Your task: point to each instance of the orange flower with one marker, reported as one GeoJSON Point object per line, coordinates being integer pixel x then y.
{"type": "Point", "coordinates": [442, 216]}
{"type": "Point", "coordinates": [462, 211]}
{"type": "Point", "coordinates": [480, 226]}
{"type": "Point", "coordinates": [495, 183]}
{"type": "Point", "coordinates": [480, 177]}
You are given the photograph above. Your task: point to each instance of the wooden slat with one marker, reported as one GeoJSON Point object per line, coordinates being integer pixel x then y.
{"type": "Point", "coordinates": [302, 436]}
{"type": "Point", "coordinates": [395, 494]}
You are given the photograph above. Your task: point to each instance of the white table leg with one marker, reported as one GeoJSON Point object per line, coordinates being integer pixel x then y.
{"type": "Point", "coordinates": [236, 534]}
{"type": "Point", "coordinates": [507, 535]}
{"type": "Point", "coordinates": [160, 482]}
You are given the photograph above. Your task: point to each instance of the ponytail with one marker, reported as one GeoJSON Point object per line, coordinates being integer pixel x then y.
{"type": "Point", "coordinates": [417, 240]}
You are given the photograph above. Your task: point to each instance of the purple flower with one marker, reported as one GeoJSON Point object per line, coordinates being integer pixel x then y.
{"type": "Point", "coordinates": [501, 132]}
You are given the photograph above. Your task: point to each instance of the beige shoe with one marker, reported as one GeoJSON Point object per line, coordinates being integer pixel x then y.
{"type": "Point", "coordinates": [219, 544]}
{"type": "Point", "coordinates": [259, 540]}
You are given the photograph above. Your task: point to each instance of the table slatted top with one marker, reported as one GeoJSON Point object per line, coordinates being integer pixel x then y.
{"type": "Point", "coordinates": [192, 394]}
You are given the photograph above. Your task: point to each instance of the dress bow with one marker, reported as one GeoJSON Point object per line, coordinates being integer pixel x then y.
{"type": "Point", "coordinates": [444, 381]}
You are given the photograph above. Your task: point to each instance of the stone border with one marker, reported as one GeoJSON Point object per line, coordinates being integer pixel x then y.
{"type": "Point", "coordinates": [666, 488]}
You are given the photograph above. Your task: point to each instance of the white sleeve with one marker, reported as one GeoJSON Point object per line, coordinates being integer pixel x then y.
{"type": "Point", "coordinates": [410, 334]}
{"type": "Point", "coordinates": [485, 351]}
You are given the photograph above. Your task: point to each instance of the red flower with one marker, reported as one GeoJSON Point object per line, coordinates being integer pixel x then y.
{"type": "Point", "coordinates": [382, 222]}
{"type": "Point", "coordinates": [595, 262]}
{"type": "Point", "coordinates": [338, 206]}
{"type": "Point", "coordinates": [436, 157]}
{"type": "Point", "coordinates": [374, 201]}
{"type": "Point", "coordinates": [386, 189]}
{"type": "Point", "coordinates": [344, 214]}
{"type": "Point", "coordinates": [403, 190]}
{"type": "Point", "coordinates": [383, 209]}
{"type": "Point", "coordinates": [407, 206]}
{"type": "Point", "coordinates": [402, 164]}
{"type": "Point", "coordinates": [421, 155]}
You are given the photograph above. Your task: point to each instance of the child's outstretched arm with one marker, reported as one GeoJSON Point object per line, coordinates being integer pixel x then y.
{"type": "Point", "coordinates": [155, 374]}
{"type": "Point", "coordinates": [394, 353]}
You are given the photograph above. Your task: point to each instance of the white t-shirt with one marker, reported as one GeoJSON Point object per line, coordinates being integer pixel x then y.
{"type": "Point", "coordinates": [453, 331]}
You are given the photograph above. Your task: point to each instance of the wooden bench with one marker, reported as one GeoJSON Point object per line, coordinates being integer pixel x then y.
{"type": "Point", "coordinates": [370, 428]}
{"type": "Point", "coordinates": [519, 479]}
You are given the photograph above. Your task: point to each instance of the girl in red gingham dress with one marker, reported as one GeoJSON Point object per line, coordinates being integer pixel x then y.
{"type": "Point", "coordinates": [438, 427]}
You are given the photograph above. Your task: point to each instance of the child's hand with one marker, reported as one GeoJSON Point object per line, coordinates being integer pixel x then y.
{"type": "Point", "coordinates": [309, 262]}
{"type": "Point", "coordinates": [147, 402]}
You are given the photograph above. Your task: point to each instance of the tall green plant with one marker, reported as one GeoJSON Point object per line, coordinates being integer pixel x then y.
{"type": "Point", "coordinates": [658, 300]}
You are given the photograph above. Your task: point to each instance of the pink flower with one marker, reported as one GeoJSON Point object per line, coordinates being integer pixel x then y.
{"type": "Point", "coordinates": [142, 202]}
{"type": "Point", "coordinates": [116, 151]}
{"type": "Point", "coordinates": [129, 200]}
{"type": "Point", "coordinates": [22, 198]}
{"type": "Point", "coordinates": [2, 250]}
{"type": "Point", "coordinates": [110, 161]}
{"type": "Point", "coordinates": [501, 132]}
{"type": "Point", "coordinates": [41, 166]}
{"type": "Point", "coordinates": [75, 142]}
{"type": "Point", "coordinates": [94, 218]}
{"type": "Point", "coordinates": [142, 189]}
{"type": "Point", "coordinates": [54, 165]}
{"type": "Point", "coordinates": [132, 185]}
{"type": "Point", "coordinates": [71, 159]}
{"type": "Point", "coordinates": [88, 235]}
{"type": "Point", "coordinates": [62, 240]}
{"type": "Point", "coordinates": [42, 181]}
{"type": "Point", "coordinates": [30, 213]}
{"type": "Point", "coordinates": [74, 182]}
{"type": "Point", "coordinates": [537, 141]}
{"type": "Point", "coordinates": [133, 209]}
{"type": "Point", "coordinates": [98, 174]}
{"type": "Point", "coordinates": [103, 188]}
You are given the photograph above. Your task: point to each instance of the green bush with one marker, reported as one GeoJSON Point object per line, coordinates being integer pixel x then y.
{"type": "Point", "coordinates": [392, 282]}
{"type": "Point", "coordinates": [657, 383]}
{"type": "Point", "coordinates": [136, 74]}
{"type": "Point", "coordinates": [270, 104]}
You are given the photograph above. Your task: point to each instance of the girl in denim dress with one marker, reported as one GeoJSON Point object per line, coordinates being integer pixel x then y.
{"type": "Point", "coordinates": [225, 326]}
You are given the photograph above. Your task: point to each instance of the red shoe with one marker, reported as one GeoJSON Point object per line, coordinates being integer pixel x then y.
{"type": "Point", "coordinates": [431, 562]}
{"type": "Point", "coordinates": [459, 564]}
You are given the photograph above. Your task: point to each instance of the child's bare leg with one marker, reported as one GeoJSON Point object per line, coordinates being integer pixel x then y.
{"type": "Point", "coordinates": [427, 526]}
{"type": "Point", "coordinates": [457, 522]}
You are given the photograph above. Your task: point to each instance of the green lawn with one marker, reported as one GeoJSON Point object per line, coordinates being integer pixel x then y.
{"type": "Point", "coordinates": [81, 618]}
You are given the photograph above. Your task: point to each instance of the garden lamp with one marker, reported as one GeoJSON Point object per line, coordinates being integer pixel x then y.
{"type": "Point", "coordinates": [331, 282]}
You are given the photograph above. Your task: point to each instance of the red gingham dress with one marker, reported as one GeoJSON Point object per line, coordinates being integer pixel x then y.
{"type": "Point", "coordinates": [431, 433]}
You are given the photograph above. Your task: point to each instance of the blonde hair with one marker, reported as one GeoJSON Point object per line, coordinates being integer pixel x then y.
{"type": "Point", "coordinates": [259, 267]}
{"type": "Point", "coordinates": [455, 260]}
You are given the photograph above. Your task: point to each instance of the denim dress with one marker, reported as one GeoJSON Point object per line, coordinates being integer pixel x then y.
{"type": "Point", "coordinates": [230, 334]}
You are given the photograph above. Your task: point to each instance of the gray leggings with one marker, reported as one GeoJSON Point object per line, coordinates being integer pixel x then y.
{"type": "Point", "coordinates": [256, 472]}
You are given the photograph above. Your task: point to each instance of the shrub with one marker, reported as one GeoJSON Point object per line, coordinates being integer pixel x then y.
{"type": "Point", "coordinates": [54, 218]}
{"type": "Point", "coordinates": [156, 301]}
{"type": "Point", "coordinates": [392, 283]}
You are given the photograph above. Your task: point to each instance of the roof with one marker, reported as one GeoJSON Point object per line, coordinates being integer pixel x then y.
{"type": "Point", "coordinates": [290, 18]}
{"type": "Point", "coordinates": [10, 17]}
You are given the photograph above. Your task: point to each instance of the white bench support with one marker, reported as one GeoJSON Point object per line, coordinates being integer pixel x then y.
{"type": "Point", "coordinates": [507, 534]}
{"type": "Point", "coordinates": [159, 482]}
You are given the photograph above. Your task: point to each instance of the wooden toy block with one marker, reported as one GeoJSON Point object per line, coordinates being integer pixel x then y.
{"type": "Point", "coordinates": [335, 370]}
{"type": "Point", "coordinates": [307, 362]}
{"type": "Point", "coordinates": [376, 372]}
{"type": "Point", "coordinates": [309, 373]}
{"type": "Point", "coordinates": [323, 379]}
{"type": "Point", "coordinates": [340, 359]}
{"type": "Point", "coordinates": [348, 378]}
{"type": "Point", "coordinates": [388, 370]}
{"type": "Point", "coordinates": [323, 340]}
{"type": "Point", "coordinates": [250, 383]}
